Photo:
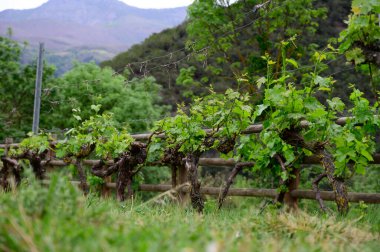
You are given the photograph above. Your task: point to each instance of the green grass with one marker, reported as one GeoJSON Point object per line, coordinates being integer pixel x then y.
{"type": "Point", "coordinates": [59, 218]}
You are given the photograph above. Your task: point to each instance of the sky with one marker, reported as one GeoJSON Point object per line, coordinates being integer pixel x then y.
{"type": "Point", "coordinates": [27, 4]}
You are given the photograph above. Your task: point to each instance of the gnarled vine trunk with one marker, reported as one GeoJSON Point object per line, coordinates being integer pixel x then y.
{"type": "Point", "coordinates": [35, 160]}
{"type": "Point", "coordinates": [84, 152]}
{"type": "Point", "coordinates": [175, 159]}
{"type": "Point", "coordinates": [238, 167]}
{"type": "Point", "coordinates": [4, 173]}
{"type": "Point", "coordinates": [293, 138]}
{"type": "Point", "coordinates": [191, 163]}
{"type": "Point", "coordinates": [125, 166]}
{"type": "Point", "coordinates": [124, 180]}
{"type": "Point", "coordinates": [38, 169]}
{"type": "Point", "coordinates": [82, 177]}
{"type": "Point", "coordinates": [339, 188]}
{"type": "Point", "coordinates": [10, 167]}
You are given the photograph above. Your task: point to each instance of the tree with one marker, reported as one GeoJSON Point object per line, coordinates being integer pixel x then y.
{"type": "Point", "coordinates": [17, 89]}
{"type": "Point", "coordinates": [134, 102]}
{"type": "Point", "coordinates": [240, 34]}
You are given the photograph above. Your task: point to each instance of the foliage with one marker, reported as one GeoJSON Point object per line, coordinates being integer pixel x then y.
{"type": "Point", "coordinates": [186, 80]}
{"type": "Point", "coordinates": [96, 133]}
{"type": "Point", "coordinates": [354, 142]}
{"type": "Point", "coordinates": [216, 26]}
{"type": "Point", "coordinates": [286, 108]}
{"type": "Point", "coordinates": [37, 144]}
{"type": "Point", "coordinates": [226, 115]}
{"type": "Point", "coordinates": [134, 102]}
{"type": "Point", "coordinates": [166, 66]}
{"type": "Point", "coordinates": [17, 89]}
{"type": "Point", "coordinates": [362, 26]}
{"type": "Point", "coordinates": [361, 40]}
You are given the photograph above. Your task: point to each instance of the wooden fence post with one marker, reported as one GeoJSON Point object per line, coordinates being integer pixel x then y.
{"type": "Point", "coordinates": [182, 179]}
{"type": "Point", "coordinates": [51, 151]}
{"type": "Point", "coordinates": [292, 202]}
{"type": "Point", "coordinates": [106, 191]}
{"type": "Point", "coordinates": [8, 142]}
{"type": "Point", "coordinates": [4, 171]}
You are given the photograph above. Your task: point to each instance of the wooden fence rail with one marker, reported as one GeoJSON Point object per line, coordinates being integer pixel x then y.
{"type": "Point", "coordinates": [217, 162]}
{"type": "Point", "coordinates": [372, 198]}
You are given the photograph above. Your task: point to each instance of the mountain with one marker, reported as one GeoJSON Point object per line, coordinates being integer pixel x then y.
{"type": "Point", "coordinates": [104, 26]}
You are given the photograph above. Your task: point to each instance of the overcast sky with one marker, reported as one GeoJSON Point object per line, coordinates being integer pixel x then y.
{"type": "Point", "coordinates": [26, 4]}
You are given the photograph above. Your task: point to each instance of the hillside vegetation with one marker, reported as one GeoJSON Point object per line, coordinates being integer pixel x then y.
{"type": "Point", "coordinates": [164, 56]}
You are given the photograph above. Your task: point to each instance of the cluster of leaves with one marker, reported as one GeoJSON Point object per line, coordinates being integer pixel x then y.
{"type": "Point", "coordinates": [361, 40]}
{"type": "Point", "coordinates": [35, 143]}
{"type": "Point", "coordinates": [287, 107]}
{"type": "Point", "coordinates": [96, 133]}
{"type": "Point", "coordinates": [186, 80]}
{"type": "Point", "coordinates": [225, 115]}
{"type": "Point", "coordinates": [354, 142]}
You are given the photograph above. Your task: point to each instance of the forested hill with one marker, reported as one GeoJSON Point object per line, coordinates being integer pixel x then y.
{"type": "Point", "coordinates": [158, 45]}
{"type": "Point", "coordinates": [154, 56]}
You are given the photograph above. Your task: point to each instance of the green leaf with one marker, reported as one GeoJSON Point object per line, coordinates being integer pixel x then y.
{"type": "Point", "coordinates": [366, 154]}
{"type": "Point", "coordinates": [355, 55]}
{"type": "Point", "coordinates": [96, 108]}
{"type": "Point", "coordinates": [260, 109]}
{"type": "Point", "coordinates": [336, 104]}
{"type": "Point", "coordinates": [324, 83]}
{"type": "Point", "coordinates": [360, 169]}
{"type": "Point", "coordinates": [261, 81]}
{"type": "Point", "coordinates": [77, 117]}
{"type": "Point", "coordinates": [292, 62]}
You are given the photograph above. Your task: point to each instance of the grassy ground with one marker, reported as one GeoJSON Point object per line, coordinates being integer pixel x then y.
{"type": "Point", "coordinates": [58, 218]}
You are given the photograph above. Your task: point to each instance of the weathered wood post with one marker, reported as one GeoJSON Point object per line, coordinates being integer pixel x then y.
{"type": "Point", "coordinates": [106, 191]}
{"type": "Point", "coordinates": [8, 142]}
{"type": "Point", "coordinates": [51, 152]}
{"type": "Point", "coordinates": [4, 172]}
{"type": "Point", "coordinates": [182, 179]}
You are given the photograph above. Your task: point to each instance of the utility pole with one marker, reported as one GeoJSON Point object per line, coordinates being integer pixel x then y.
{"type": "Point", "coordinates": [37, 93]}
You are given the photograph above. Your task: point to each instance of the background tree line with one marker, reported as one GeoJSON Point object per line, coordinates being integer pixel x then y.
{"type": "Point", "coordinates": [134, 101]}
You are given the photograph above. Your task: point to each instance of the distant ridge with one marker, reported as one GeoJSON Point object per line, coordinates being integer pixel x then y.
{"type": "Point", "coordinates": [108, 24]}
